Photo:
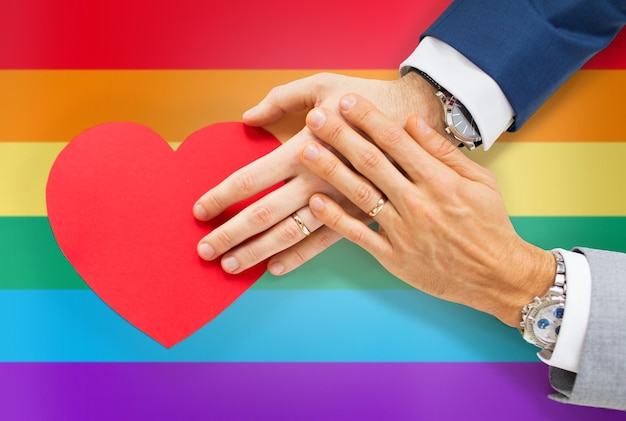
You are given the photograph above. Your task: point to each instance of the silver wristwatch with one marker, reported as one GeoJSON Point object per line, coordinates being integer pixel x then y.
{"type": "Point", "coordinates": [541, 319]}
{"type": "Point", "coordinates": [457, 119]}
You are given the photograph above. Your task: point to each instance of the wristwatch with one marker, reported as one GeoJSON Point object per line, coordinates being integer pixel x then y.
{"type": "Point", "coordinates": [541, 319]}
{"type": "Point", "coordinates": [457, 119]}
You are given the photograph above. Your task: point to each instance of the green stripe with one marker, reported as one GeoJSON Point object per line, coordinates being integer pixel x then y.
{"type": "Point", "coordinates": [31, 259]}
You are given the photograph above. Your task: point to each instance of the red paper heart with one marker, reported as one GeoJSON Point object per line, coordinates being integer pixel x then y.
{"type": "Point", "coordinates": [119, 203]}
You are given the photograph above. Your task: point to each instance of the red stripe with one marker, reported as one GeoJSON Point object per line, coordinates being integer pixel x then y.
{"type": "Point", "coordinates": [613, 57]}
{"type": "Point", "coordinates": [212, 34]}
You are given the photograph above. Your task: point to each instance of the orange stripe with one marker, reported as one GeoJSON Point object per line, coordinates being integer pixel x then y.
{"type": "Point", "coordinates": [587, 108]}
{"type": "Point", "coordinates": [56, 105]}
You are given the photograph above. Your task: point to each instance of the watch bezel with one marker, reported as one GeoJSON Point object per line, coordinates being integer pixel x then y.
{"type": "Point", "coordinates": [529, 319]}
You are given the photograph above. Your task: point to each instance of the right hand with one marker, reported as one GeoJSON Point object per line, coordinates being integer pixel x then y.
{"type": "Point", "coordinates": [442, 224]}
{"type": "Point", "coordinates": [265, 229]}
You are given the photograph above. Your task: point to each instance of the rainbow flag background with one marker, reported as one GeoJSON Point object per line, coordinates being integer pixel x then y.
{"type": "Point", "coordinates": [337, 339]}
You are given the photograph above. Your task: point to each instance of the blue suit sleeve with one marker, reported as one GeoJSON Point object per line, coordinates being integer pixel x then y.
{"type": "Point", "coordinates": [529, 47]}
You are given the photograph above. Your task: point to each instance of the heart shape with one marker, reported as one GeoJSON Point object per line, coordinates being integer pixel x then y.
{"type": "Point", "coordinates": [119, 202]}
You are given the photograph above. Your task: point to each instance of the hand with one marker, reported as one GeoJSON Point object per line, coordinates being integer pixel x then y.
{"type": "Point", "coordinates": [268, 219]}
{"type": "Point", "coordinates": [443, 227]}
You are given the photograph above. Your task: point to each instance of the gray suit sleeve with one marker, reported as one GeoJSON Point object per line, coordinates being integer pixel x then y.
{"type": "Point", "coordinates": [601, 378]}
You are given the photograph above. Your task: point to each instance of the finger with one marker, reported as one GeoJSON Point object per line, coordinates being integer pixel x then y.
{"type": "Point", "coordinates": [291, 97]}
{"type": "Point", "coordinates": [365, 157]}
{"type": "Point", "coordinates": [317, 242]}
{"type": "Point", "coordinates": [442, 149]}
{"type": "Point", "coordinates": [293, 229]}
{"type": "Point", "coordinates": [250, 180]}
{"type": "Point", "coordinates": [390, 137]}
{"type": "Point", "coordinates": [340, 221]}
{"type": "Point", "coordinates": [354, 187]}
{"type": "Point", "coordinates": [256, 218]}
{"type": "Point", "coordinates": [303, 251]}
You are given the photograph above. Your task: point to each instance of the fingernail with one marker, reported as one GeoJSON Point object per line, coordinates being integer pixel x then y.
{"type": "Point", "coordinates": [316, 118]}
{"type": "Point", "coordinates": [422, 126]}
{"type": "Point", "coordinates": [317, 204]}
{"type": "Point", "coordinates": [200, 212]}
{"type": "Point", "coordinates": [310, 152]}
{"type": "Point", "coordinates": [230, 264]}
{"type": "Point", "coordinates": [250, 113]}
{"type": "Point", "coordinates": [347, 102]}
{"type": "Point", "coordinates": [206, 251]}
{"type": "Point", "coordinates": [276, 268]}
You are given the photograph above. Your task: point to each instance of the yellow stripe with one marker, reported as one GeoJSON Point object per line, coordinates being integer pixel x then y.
{"type": "Point", "coordinates": [559, 179]}
{"type": "Point", "coordinates": [578, 179]}
{"type": "Point", "coordinates": [55, 105]}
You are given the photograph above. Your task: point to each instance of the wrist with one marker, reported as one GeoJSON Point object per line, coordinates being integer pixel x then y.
{"type": "Point", "coordinates": [457, 123]}
{"type": "Point", "coordinates": [421, 94]}
{"type": "Point", "coordinates": [532, 276]}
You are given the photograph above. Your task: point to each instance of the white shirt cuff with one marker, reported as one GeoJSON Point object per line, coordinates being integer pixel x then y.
{"type": "Point", "coordinates": [568, 349]}
{"type": "Point", "coordinates": [476, 90]}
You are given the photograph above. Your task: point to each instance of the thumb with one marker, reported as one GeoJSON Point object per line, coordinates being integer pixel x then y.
{"type": "Point", "coordinates": [298, 95]}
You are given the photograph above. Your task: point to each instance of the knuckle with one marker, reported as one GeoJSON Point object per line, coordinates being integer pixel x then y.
{"type": "Point", "coordinates": [252, 255]}
{"type": "Point", "coordinates": [212, 202]}
{"type": "Point", "coordinates": [334, 133]}
{"type": "Point", "coordinates": [223, 239]}
{"type": "Point", "coordinates": [330, 169]}
{"type": "Point", "coordinates": [262, 215]}
{"type": "Point", "coordinates": [370, 159]}
{"type": "Point", "coordinates": [245, 182]}
{"type": "Point", "coordinates": [275, 93]}
{"type": "Point", "coordinates": [444, 148]}
{"type": "Point", "coordinates": [363, 116]}
{"type": "Point", "coordinates": [322, 80]}
{"type": "Point", "coordinates": [298, 257]}
{"type": "Point", "coordinates": [319, 79]}
{"type": "Point", "coordinates": [355, 235]}
{"type": "Point", "coordinates": [326, 239]}
{"type": "Point", "coordinates": [331, 219]}
{"type": "Point", "coordinates": [367, 119]}
{"type": "Point", "coordinates": [391, 134]}
{"type": "Point", "coordinates": [289, 233]}
{"type": "Point", "coordinates": [363, 196]}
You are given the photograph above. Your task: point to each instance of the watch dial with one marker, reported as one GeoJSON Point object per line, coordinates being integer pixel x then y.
{"type": "Point", "coordinates": [462, 121]}
{"type": "Point", "coordinates": [548, 323]}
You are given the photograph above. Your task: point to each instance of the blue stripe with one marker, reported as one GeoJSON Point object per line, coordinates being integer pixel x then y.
{"type": "Point", "coordinates": [263, 326]}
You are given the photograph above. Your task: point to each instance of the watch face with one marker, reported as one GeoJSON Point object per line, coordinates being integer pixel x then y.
{"type": "Point", "coordinates": [548, 323]}
{"type": "Point", "coordinates": [462, 121]}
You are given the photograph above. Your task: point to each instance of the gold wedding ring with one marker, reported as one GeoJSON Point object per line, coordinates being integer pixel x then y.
{"type": "Point", "coordinates": [301, 225]}
{"type": "Point", "coordinates": [379, 206]}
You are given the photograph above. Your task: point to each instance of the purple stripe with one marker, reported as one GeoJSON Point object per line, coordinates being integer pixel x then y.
{"type": "Point", "coordinates": [277, 391]}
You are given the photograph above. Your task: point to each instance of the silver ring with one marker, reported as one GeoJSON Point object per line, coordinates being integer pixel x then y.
{"type": "Point", "coordinates": [379, 206]}
{"type": "Point", "coordinates": [301, 225]}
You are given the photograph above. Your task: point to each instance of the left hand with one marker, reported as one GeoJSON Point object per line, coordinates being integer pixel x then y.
{"type": "Point", "coordinates": [265, 229]}
{"type": "Point", "coordinates": [444, 228]}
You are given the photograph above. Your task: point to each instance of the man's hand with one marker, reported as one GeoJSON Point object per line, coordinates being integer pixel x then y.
{"type": "Point", "coordinates": [443, 227]}
{"type": "Point", "coordinates": [265, 228]}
